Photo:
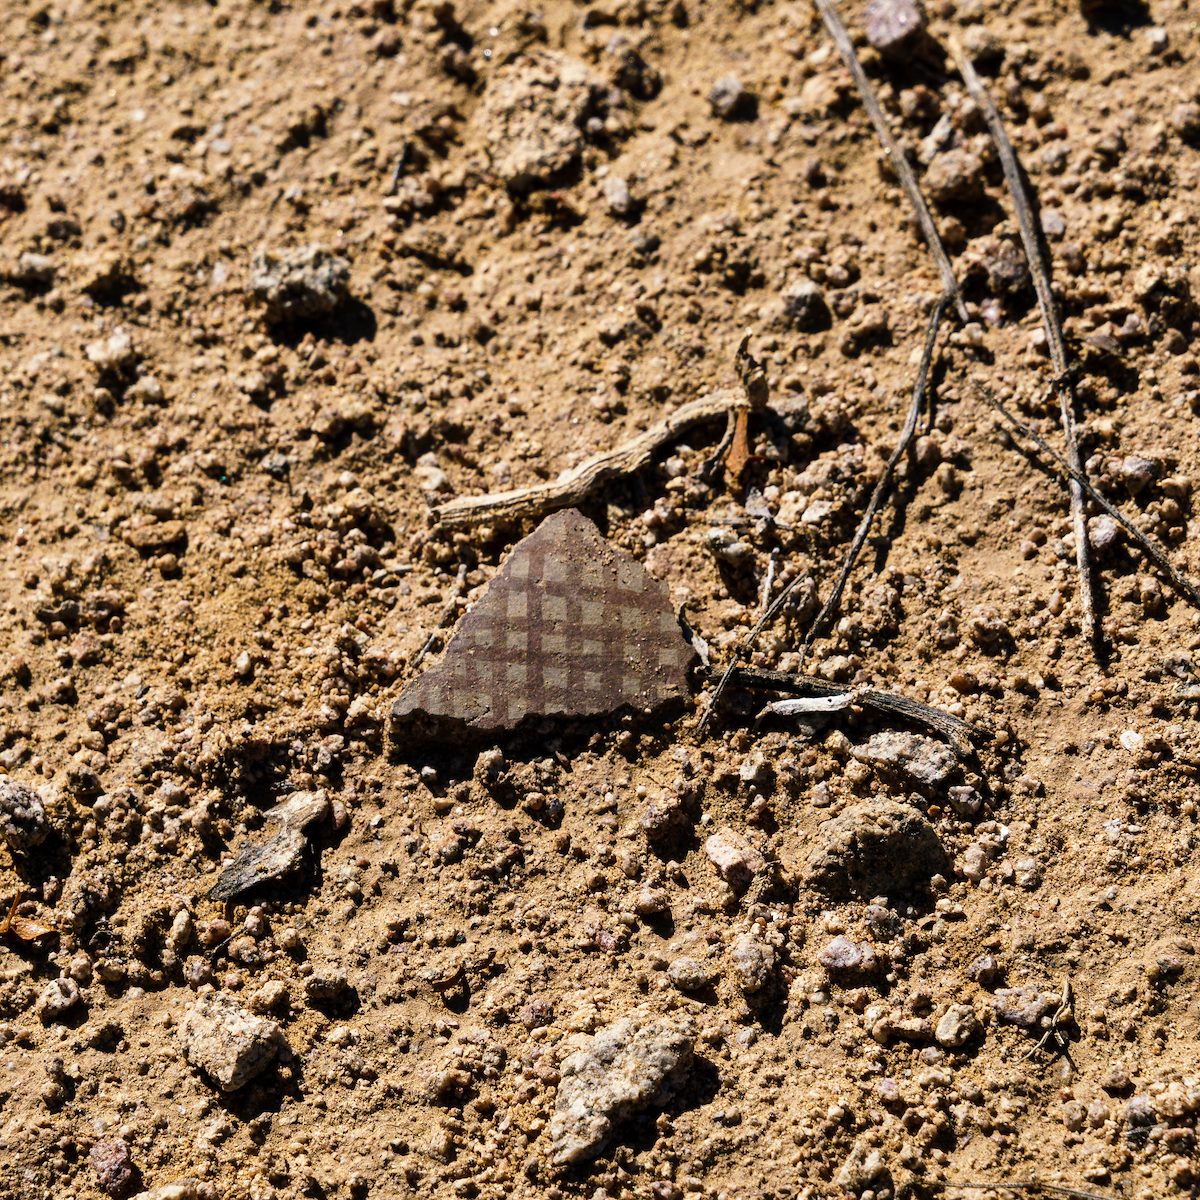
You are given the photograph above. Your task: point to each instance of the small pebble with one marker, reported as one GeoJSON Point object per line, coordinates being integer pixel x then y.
{"type": "Point", "coordinates": [689, 974]}
{"type": "Point", "coordinates": [957, 1026]}
{"type": "Point", "coordinates": [617, 198]}
{"type": "Point", "coordinates": [58, 999]}
{"type": "Point", "coordinates": [753, 962]}
{"type": "Point", "coordinates": [737, 862]}
{"type": "Point", "coordinates": [730, 101]}
{"type": "Point", "coordinates": [844, 958]}
{"type": "Point", "coordinates": [893, 26]}
{"type": "Point", "coordinates": [23, 823]}
{"type": "Point", "coordinates": [113, 1164]}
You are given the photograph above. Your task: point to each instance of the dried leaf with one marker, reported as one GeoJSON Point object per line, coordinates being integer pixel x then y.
{"type": "Point", "coordinates": [24, 928]}
{"type": "Point", "coordinates": [28, 930]}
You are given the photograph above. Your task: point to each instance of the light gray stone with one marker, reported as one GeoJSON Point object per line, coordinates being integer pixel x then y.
{"type": "Point", "coordinates": [627, 1067]}
{"type": "Point", "coordinates": [925, 763]}
{"type": "Point", "coordinates": [230, 1045]}
{"type": "Point", "coordinates": [299, 285]}
{"type": "Point", "coordinates": [956, 1026]}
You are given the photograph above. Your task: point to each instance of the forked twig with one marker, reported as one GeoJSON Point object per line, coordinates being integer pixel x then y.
{"type": "Point", "coordinates": [904, 172]}
{"type": "Point", "coordinates": [1040, 270]}
{"type": "Point", "coordinates": [1178, 580]}
{"type": "Point", "coordinates": [920, 389]}
{"type": "Point", "coordinates": [784, 598]}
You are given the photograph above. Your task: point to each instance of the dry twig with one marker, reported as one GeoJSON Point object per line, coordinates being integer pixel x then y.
{"type": "Point", "coordinates": [785, 596]}
{"type": "Point", "coordinates": [962, 733]}
{"type": "Point", "coordinates": [920, 390]}
{"type": "Point", "coordinates": [449, 610]}
{"type": "Point", "coordinates": [1040, 269]}
{"type": "Point", "coordinates": [1035, 1186]}
{"type": "Point", "coordinates": [1177, 579]}
{"type": "Point", "coordinates": [574, 486]}
{"type": "Point", "coordinates": [904, 172]}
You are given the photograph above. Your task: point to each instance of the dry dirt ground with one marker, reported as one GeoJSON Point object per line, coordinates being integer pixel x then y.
{"type": "Point", "coordinates": [219, 568]}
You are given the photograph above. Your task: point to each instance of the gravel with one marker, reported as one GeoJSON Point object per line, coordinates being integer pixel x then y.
{"type": "Point", "coordinates": [804, 307]}
{"type": "Point", "coordinates": [627, 1067]}
{"type": "Point", "coordinates": [59, 999]}
{"type": "Point", "coordinates": [753, 962]}
{"type": "Point", "coordinates": [956, 1026]}
{"type": "Point", "coordinates": [730, 100]}
{"type": "Point", "coordinates": [847, 960]}
{"type": "Point", "coordinates": [23, 823]}
{"type": "Point", "coordinates": [535, 111]}
{"type": "Point", "coordinates": [114, 357]}
{"type": "Point", "coordinates": [955, 176]}
{"type": "Point", "coordinates": [689, 974]}
{"type": "Point", "coordinates": [926, 764]}
{"type": "Point", "coordinates": [1024, 1006]}
{"type": "Point", "coordinates": [894, 26]}
{"type": "Point", "coordinates": [617, 198]}
{"type": "Point", "coordinates": [228, 1043]}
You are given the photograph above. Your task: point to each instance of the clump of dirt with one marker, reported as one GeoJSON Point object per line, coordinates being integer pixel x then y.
{"type": "Point", "coordinates": [277, 279]}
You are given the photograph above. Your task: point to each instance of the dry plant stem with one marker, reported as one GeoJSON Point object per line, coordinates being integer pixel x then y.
{"type": "Point", "coordinates": [1033, 1185]}
{"type": "Point", "coordinates": [772, 610]}
{"type": "Point", "coordinates": [446, 617]}
{"type": "Point", "coordinates": [899, 163]}
{"type": "Point", "coordinates": [1040, 270]}
{"type": "Point", "coordinates": [920, 389]}
{"type": "Point", "coordinates": [1177, 579]}
{"type": "Point", "coordinates": [574, 486]}
{"type": "Point", "coordinates": [961, 733]}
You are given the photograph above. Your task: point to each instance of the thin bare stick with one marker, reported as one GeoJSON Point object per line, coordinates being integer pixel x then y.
{"type": "Point", "coordinates": [1040, 270]}
{"type": "Point", "coordinates": [768, 580]}
{"type": "Point", "coordinates": [574, 486]}
{"type": "Point", "coordinates": [1034, 1185]}
{"type": "Point", "coordinates": [446, 617]}
{"type": "Point", "coordinates": [920, 389]}
{"type": "Point", "coordinates": [904, 172]}
{"type": "Point", "coordinates": [1158, 557]}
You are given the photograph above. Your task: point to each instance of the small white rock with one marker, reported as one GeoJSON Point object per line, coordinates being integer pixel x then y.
{"type": "Point", "coordinates": [737, 862]}
{"type": "Point", "coordinates": [58, 999]}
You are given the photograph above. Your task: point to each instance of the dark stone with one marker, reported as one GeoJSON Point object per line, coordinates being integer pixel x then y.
{"type": "Point", "coordinates": [278, 857]}
{"type": "Point", "coordinates": [805, 309]}
{"type": "Point", "coordinates": [570, 627]}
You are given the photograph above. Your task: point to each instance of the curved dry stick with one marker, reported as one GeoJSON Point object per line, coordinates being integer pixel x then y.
{"type": "Point", "coordinates": [1040, 270]}
{"type": "Point", "coordinates": [574, 486]}
{"type": "Point", "coordinates": [904, 172]}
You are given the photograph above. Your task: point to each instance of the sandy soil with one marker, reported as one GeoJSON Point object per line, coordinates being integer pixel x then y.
{"type": "Point", "coordinates": [219, 568]}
